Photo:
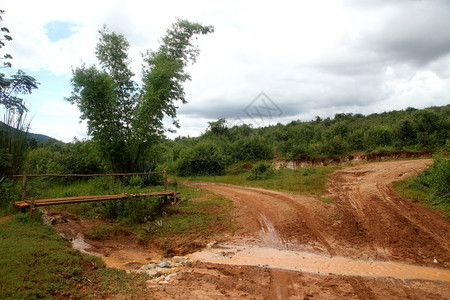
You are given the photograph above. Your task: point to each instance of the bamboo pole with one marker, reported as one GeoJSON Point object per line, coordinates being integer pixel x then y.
{"type": "Point", "coordinates": [165, 179]}
{"type": "Point", "coordinates": [24, 186]}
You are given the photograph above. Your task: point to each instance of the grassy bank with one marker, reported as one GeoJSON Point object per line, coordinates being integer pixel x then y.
{"type": "Point", "coordinates": [178, 229]}
{"type": "Point", "coordinates": [411, 188]}
{"type": "Point", "coordinates": [36, 263]}
{"type": "Point", "coordinates": [306, 181]}
{"type": "Point", "coordinates": [431, 187]}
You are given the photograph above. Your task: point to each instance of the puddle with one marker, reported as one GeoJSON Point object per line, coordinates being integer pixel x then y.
{"type": "Point", "coordinates": [313, 263]}
{"type": "Point", "coordinates": [267, 257]}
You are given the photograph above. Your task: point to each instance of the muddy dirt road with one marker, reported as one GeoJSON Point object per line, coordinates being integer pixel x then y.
{"type": "Point", "coordinates": [281, 236]}
{"type": "Point", "coordinates": [367, 243]}
{"type": "Point", "coordinates": [366, 219]}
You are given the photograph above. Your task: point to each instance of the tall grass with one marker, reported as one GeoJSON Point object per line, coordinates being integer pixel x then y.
{"type": "Point", "coordinates": [431, 187]}
{"type": "Point", "coordinates": [13, 149]}
{"type": "Point", "coordinates": [13, 142]}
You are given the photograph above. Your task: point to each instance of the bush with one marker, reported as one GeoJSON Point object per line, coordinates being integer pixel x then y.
{"type": "Point", "coordinates": [134, 210]}
{"type": "Point", "coordinates": [437, 178]}
{"type": "Point", "coordinates": [261, 171]}
{"type": "Point", "coordinates": [9, 192]}
{"type": "Point", "coordinates": [205, 158]}
{"type": "Point", "coordinates": [251, 149]}
{"type": "Point", "coordinates": [136, 181]}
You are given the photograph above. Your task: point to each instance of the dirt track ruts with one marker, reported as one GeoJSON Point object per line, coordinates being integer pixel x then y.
{"type": "Point", "coordinates": [366, 218]}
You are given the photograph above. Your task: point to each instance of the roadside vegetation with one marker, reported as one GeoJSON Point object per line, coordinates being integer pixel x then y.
{"type": "Point", "coordinates": [305, 181]}
{"type": "Point", "coordinates": [36, 263]}
{"type": "Point", "coordinates": [431, 187]}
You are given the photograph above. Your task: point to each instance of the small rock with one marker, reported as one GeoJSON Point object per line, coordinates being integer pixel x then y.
{"type": "Point", "coordinates": [147, 267]}
{"type": "Point", "coordinates": [165, 271]}
{"type": "Point", "coordinates": [165, 264]}
{"type": "Point", "coordinates": [152, 272]}
{"type": "Point", "coordinates": [180, 259]}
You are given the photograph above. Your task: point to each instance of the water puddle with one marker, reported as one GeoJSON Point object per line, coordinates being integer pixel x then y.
{"type": "Point", "coordinates": [313, 263]}
{"type": "Point", "coordinates": [270, 257]}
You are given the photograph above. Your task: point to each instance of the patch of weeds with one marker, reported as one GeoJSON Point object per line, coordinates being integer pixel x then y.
{"type": "Point", "coordinates": [336, 216]}
{"type": "Point", "coordinates": [307, 171]}
{"type": "Point", "coordinates": [412, 188]}
{"type": "Point", "coordinates": [325, 200]}
{"type": "Point", "coordinates": [187, 226]}
{"type": "Point", "coordinates": [261, 171]}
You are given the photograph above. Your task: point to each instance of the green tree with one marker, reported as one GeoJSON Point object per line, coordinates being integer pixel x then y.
{"type": "Point", "coordinates": [20, 83]}
{"type": "Point", "coordinates": [125, 120]}
{"type": "Point", "coordinates": [13, 133]}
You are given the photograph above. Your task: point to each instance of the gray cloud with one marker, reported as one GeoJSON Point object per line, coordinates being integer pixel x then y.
{"type": "Point", "coordinates": [413, 31]}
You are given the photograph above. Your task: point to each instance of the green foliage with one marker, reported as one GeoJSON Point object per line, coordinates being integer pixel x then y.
{"type": "Point", "coordinates": [205, 158]}
{"type": "Point", "coordinates": [13, 142]}
{"type": "Point", "coordinates": [261, 171]}
{"type": "Point", "coordinates": [52, 157]}
{"type": "Point", "coordinates": [9, 192]}
{"type": "Point", "coordinates": [124, 120]}
{"type": "Point", "coordinates": [136, 181]}
{"type": "Point", "coordinates": [251, 149]}
{"type": "Point", "coordinates": [437, 178]}
{"type": "Point", "coordinates": [308, 181]}
{"type": "Point", "coordinates": [18, 84]}
{"type": "Point", "coordinates": [36, 263]}
{"type": "Point", "coordinates": [430, 187]}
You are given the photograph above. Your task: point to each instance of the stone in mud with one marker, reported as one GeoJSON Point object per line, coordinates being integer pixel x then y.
{"type": "Point", "coordinates": [147, 267]}
{"type": "Point", "coordinates": [165, 264]}
{"type": "Point", "coordinates": [151, 272]}
{"type": "Point", "coordinates": [180, 259]}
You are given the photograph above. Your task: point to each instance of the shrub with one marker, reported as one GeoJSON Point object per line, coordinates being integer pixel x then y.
{"type": "Point", "coordinates": [251, 149]}
{"type": "Point", "coordinates": [261, 171]}
{"type": "Point", "coordinates": [134, 210]}
{"type": "Point", "coordinates": [437, 177]}
{"type": "Point", "coordinates": [9, 192]}
{"type": "Point", "coordinates": [136, 181]}
{"type": "Point", "coordinates": [205, 158]}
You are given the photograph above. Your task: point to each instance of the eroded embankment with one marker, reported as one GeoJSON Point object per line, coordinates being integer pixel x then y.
{"type": "Point", "coordinates": [350, 159]}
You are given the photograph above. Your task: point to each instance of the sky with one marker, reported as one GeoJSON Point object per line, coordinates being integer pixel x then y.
{"type": "Point", "coordinates": [267, 62]}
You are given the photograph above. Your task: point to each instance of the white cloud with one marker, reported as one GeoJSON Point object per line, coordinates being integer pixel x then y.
{"type": "Point", "coordinates": [58, 120]}
{"type": "Point", "coordinates": [311, 57]}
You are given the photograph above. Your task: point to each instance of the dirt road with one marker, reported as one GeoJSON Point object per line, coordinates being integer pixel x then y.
{"type": "Point", "coordinates": [367, 243]}
{"type": "Point", "coordinates": [366, 219]}
{"type": "Point", "coordinates": [366, 222]}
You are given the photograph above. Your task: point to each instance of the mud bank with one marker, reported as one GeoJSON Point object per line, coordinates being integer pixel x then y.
{"type": "Point", "coordinates": [349, 159]}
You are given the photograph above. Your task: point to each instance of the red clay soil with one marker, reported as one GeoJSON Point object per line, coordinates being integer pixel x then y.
{"type": "Point", "coordinates": [365, 220]}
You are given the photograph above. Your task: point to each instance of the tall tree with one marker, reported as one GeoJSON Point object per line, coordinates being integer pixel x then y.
{"type": "Point", "coordinates": [125, 120]}
{"type": "Point", "coordinates": [11, 87]}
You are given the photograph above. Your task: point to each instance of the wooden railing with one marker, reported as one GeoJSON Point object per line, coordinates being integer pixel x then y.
{"type": "Point", "coordinates": [32, 204]}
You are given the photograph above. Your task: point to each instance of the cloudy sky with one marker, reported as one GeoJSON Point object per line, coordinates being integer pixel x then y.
{"type": "Point", "coordinates": [266, 62]}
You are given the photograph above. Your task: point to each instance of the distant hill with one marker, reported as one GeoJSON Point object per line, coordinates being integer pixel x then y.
{"type": "Point", "coordinates": [40, 138]}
